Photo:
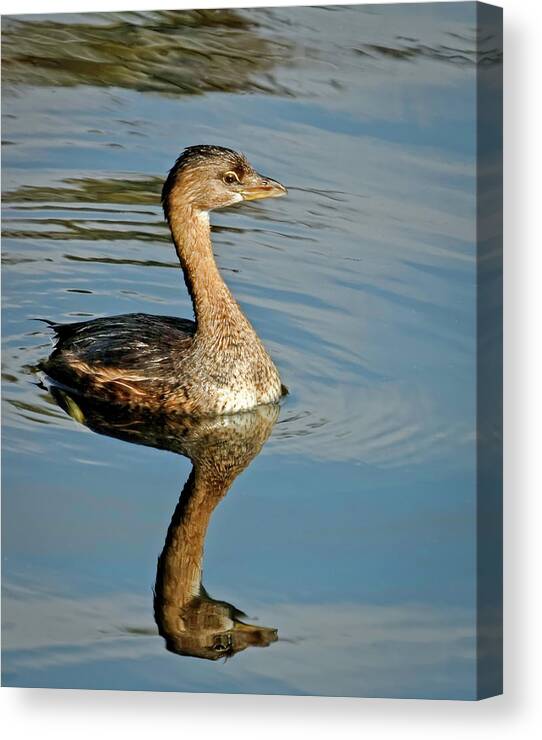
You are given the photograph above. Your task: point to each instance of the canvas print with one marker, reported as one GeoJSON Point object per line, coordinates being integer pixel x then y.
{"type": "Point", "coordinates": [251, 278]}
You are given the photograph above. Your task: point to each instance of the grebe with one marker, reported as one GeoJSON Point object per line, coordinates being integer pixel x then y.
{"type": "Point", "coordinates": [213, 365]}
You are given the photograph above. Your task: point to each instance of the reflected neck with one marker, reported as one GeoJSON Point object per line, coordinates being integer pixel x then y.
{"type": "Point", "coordinates": [178, 579]}
{"type": "Point", "coordinates": [219, 452]}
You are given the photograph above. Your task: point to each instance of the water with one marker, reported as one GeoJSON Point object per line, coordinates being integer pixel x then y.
{"type": "Point", "coordinates": [352, 532]}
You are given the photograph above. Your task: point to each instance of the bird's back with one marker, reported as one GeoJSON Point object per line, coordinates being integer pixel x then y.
{"type": "Point", "coordinates": [130, 358]}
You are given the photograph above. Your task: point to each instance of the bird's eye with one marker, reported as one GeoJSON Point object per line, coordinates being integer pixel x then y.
{"type": "Point", "coordinates": [222, 643]}
{"type": "Point", "coordinates": [230, 177]}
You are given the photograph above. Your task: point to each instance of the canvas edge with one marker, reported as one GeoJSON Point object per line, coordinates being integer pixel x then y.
{"type": "Point", "coordinates": [489, 352]}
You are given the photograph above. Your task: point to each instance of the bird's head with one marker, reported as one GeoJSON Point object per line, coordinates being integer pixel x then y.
{"type": "Point", "coordinates": [207, 177]}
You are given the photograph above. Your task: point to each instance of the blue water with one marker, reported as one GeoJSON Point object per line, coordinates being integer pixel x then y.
{"type": "Point", "coordinates": [353, 531]}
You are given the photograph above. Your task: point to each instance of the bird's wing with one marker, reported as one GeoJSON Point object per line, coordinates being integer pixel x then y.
{"type": "Point", "coordinates": [138, 346]}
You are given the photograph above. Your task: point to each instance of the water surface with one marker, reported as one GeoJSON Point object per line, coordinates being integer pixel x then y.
{"type": "Point", "coordinates": [352, 532]}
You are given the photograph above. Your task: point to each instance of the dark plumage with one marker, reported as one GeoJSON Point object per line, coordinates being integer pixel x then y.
{"type": "Point", "coordinates": [131, 356]}
{"type": "Point", "coordinates": [213, 365]}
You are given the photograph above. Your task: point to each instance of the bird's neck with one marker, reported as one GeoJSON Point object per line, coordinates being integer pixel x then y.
{"type": "Point", "coordinates": [214, 306]}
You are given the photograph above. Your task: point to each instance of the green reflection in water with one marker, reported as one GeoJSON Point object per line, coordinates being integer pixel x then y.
{"type": "Point", "coordinates": [187, 53]}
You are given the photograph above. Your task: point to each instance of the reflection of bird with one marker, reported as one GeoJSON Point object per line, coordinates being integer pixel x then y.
{"type": "Point", "coordinates": [220, 448]}
{"type": "Point", "coordinates": [215, 365]}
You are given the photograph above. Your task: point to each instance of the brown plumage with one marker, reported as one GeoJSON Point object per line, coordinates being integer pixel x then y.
{"type": "Point", "coordinates": [220, 448]}
{"type": "Point", "coordinates": [213, 365]}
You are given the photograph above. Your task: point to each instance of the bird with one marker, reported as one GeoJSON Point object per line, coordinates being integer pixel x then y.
{"type": "Point", "coordinates": [212, 365]}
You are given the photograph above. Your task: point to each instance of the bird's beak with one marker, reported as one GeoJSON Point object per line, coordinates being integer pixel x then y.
{"type": "Point", "coordinates": [263, 187]}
